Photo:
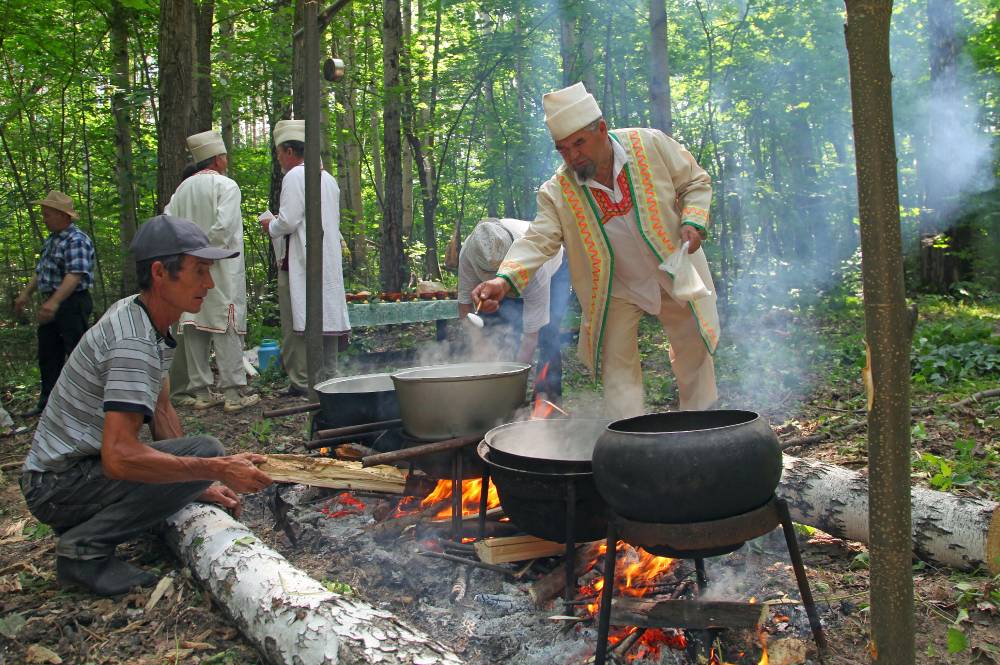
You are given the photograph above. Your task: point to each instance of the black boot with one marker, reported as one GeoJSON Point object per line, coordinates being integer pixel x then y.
{"type": "Point", "coordinates": [105, 577]}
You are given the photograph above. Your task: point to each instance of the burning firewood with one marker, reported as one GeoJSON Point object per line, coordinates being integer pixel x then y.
{"type": "Point", "coordinates": [549, 586]}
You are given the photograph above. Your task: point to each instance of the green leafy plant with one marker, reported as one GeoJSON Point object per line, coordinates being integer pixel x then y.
{"type": "Point", "coordinates": [37, 531]}
{"type": "Point", "coordinates": [338, 587]}
{"type": "Point", "coordinates": [962, 470]}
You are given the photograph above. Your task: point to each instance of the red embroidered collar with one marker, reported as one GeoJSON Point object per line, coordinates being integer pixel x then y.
{"type": "Point", "coordinates": [610, 210]}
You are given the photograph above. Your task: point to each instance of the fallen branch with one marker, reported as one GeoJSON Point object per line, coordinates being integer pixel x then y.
{"type": "Point", "coordinates": [959, 532]}
{"type": "Point", "coordinates": [546, 588]}
{"type": "Point", "coordinates": [287, 615]}
{"type": "Point", "coordinates": [466, 562]}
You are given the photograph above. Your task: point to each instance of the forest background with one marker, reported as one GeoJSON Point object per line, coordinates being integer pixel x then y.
{"type": "Point", "coordinates": [98, 95]}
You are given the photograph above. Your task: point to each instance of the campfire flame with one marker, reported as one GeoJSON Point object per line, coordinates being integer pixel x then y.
{"type": "Point", "coordinates": [471, 491]}
{"type": "Point", "coordinates": [542, 409]}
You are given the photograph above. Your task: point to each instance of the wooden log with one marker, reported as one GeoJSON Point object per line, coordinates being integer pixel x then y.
{"type": "Point", "coordinates": [287, 615]}
{"type": "Point", "coordinates": [959, 532]}
{"type": "Point", "coordinates": [333, 473]}
{"type": "Point", "coordinates": [394, 526]}
{"type": "Point", "coordinates": [516, 548]}
{"type": "Point", "coordinates": [551, 585]}
{"type": "Point", "coordinates": [413, 452]}
{"type": "Point", "coordinates": [693, 614]}
{"type": "Point", "coordinates": [291, 410]}
{"type": "Point", "coordinates": [357, 429]}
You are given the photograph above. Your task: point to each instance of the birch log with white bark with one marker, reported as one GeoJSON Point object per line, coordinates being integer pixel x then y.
{"type": "Point", "coordinates": [959, 532]}
{"type": "Point", "coordinates": [289, 616]}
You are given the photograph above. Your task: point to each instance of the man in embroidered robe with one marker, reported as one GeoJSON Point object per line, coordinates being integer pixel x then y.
{"type": "Point", "coordinates": [288, 236]}
{"type": "Point", "coordinates": [212, 201]}
{"type": "Point", "coordinates": [621, 203]}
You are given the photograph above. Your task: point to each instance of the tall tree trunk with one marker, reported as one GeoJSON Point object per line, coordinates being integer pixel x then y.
{"type": "Point", "coordinates": [352, 157]}
{"type": "Point", "coordinates": [175, 66]}
{"type": "Point", "coordinates": [298, 64]}
{"type": "Point", "coordinates": [281, 86]}
{"type": "Point", "coordinates": [391, 271]}
{"type": "Point", "coordinates": [121, 80]}
{"type": "Point", "coordinates": [659, 68]}
{"type": "Point", "coordinates": [204, 12]}
{"type": "Point", "coordinates": [887, 330]}
{"type": "Point", "coordinates": [407, 75]}
{"type": "Point", "coordinates": [568, 51]}
{"type": "Point", "coordinates": [941, 263]}
{"type": "Point", "coordinates": [226, 100]}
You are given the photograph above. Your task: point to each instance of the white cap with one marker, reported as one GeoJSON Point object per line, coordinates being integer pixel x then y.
{"type": "Point", "coordinates": [569, 110]}
{"type": "Point", "coordinates": [485, 248]}
{"type": "Point", "coordinates": [205, 145]}
{"type": "Point", "coordinates": [289, 130]}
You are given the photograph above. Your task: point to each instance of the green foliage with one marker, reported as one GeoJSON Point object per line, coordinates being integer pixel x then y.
{"type": "Point", "coordinates": [37, 531]}
{"type": "Point", "coordinates": [946, 351]}
{"type": "Point", "coordinates": [342, 588]}
{"type": "Point", "coordinates": [962, 469]}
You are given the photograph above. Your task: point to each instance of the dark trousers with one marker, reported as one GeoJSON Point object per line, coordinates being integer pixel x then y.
{"type": "Point", "coordinates": [58, 338]}
{"type": "Point", "coordinates": [505, 327]}
{"type": "Point", "coordinates": [93, 514]}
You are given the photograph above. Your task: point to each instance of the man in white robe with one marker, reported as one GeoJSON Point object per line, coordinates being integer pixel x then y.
{"type": "Point", "coordinates": [212, 201]}
{"type": "Point", "coordinates": [621, 203]}
{"type": "Point", "coordinates": [288, 235]}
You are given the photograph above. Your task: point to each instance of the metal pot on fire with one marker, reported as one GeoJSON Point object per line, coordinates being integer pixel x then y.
{"type": "Point", "coordinates": [542, 472]}
{"type": "Point", "coordinates": [357, 400]}
{"type": "Point", "coordinates": [463, 399]}
{"type": "Point", "coordinates": [687, 466]}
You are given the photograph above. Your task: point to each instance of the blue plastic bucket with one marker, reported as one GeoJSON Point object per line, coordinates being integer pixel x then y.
{"type": "Point", "coordinates": [268, 353]}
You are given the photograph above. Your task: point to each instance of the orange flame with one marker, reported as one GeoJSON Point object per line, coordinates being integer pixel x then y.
{"type": "Point", "coordinates": [471, 491]}
{"type": "Point", "coordinates": [762, 635]}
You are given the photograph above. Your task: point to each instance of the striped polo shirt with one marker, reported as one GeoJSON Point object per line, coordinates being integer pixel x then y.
{"type": "Point", "coordinates": [119, 365]}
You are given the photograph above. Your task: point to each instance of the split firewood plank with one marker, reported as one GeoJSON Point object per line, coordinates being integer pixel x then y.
{"type": "Point", "coordinates": [333, 473]}
{"type": "Point", "coordinates": [516, 548]}
{"type": "Point", "coordinates": [960, 532]}
{"type": "Point", "coordinates": [287, 615]}
{"type": "Point", "coordinates": [693, 614]}
{"type": "Point", "coordinates": [551, 585]}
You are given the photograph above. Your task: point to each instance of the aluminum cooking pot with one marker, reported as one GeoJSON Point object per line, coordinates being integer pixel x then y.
{"type": "Point", "coordinates": [464, 399]}
{"type": "Point", "coordinates": [357, 400]}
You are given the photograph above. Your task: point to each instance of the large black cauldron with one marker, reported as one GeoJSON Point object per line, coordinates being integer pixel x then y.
{"type": "Point", "coordinates": [687, 466]}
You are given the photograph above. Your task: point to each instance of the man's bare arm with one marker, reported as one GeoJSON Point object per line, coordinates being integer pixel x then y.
{"type": "Point", "coordinates": [165, 423]}
{"type": "Point", "coordinates": [124, 457]}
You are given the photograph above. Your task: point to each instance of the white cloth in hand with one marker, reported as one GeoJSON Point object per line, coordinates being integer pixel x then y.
{"type": "Point", "coordinates": [688, 285]}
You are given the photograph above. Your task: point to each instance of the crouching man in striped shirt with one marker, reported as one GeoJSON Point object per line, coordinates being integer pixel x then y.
{"type": "Point", "coordinates": [87, 474]}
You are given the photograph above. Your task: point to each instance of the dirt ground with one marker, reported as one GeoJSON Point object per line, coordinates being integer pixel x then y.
{"type": "Point", "coordinates": [41, 622]}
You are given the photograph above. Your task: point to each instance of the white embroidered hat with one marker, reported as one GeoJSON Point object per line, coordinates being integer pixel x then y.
{"type": "Point", "coordinates": [289, 130]}
{"type": "Point", "coordinates": [569, 110]}
{"type": "Point", "coordinates": [205, 145]}
{"type": "Point", "coordinates": [485, 248]}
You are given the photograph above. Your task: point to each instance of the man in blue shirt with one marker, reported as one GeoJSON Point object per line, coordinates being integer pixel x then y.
{"type": "Point", "coordinates": [63, 279]}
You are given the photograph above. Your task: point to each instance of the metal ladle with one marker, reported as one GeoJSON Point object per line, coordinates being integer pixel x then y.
{"type": "Point", "coordinates": [474, 317]}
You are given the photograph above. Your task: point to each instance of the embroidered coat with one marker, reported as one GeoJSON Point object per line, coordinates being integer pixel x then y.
{"type": "Point", "coordinates": [212, 201]}
{"type": "Point", "coordinates": [667, 187]}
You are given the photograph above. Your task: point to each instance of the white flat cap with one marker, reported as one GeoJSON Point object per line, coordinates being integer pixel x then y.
{"type": "Point", "coordinates": [289, 130]}
{"type": "Point", "coordinates": [205, 145]}
{"type": "Point", "coordinates": [485, 248]}
{"type": "Point", "coordinates": [569, 110]}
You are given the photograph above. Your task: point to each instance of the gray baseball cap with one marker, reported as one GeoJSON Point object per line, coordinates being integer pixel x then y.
{"type": "Point", "coordinates": [165, 235]}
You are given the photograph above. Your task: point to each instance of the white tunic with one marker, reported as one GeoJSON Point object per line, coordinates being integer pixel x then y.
{"type": "Point", "coordinates": [290, 222]}
{"type": "Point", "coordinates": [212, 201]}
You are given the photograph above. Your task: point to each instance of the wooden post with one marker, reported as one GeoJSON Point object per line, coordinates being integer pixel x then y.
{"type": "Point", "coordinates": [314, 217]}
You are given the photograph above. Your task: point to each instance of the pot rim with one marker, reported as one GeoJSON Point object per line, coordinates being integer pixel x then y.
{"type": "Point", "coordinates": [501, 369]}
{"type": "Point", "coordinates": [324, 388]}
{"type": "Point", "coordinates": [614, 426]}
{"type": "Point", "coordinates": [483, 450]}
{"type": "Point", "coordinates": [528, 425]}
